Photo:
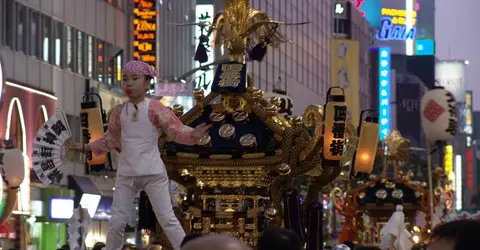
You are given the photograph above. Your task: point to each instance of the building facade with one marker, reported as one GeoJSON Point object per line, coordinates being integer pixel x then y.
{"type": "Point", "coordinates": [48, 50]}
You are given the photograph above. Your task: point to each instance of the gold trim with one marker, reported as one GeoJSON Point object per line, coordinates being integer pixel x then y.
{"type": "Point", "coordinates": [187, 155]}
{"type": "Point", "coordinates": [253, 155]}
{"type": "Point", "coordinates": [220, 157]}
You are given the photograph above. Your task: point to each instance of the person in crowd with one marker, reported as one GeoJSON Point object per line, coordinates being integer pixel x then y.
{"type": "Point", "coordinates": [215, 242]}
{"type": "Point", "coordinates": [128, 247]}
{"type": "Point", "coordinates": [279, 239]}
{"type": "Point", "coordinates": [456, 235]}
{"type": "Point", "coordinates": [98, 246]}
{"type": "Point", "coordinates": [189, 238]}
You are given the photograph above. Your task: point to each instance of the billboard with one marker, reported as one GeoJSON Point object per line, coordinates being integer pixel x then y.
{"type": "Point", "coordinates": [345, 73]}
{"type": "Point", "coordinates": [384, 71]}
{"type": "Point", "coordinates": [370, 9]}
{"type": "Point", "coordinates": [451, 76]}
{"type": "Point", "coordinates": [408, 96]}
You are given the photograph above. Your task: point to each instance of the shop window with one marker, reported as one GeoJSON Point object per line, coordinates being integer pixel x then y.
{"type": "Point", "coordinates": [34, 34]}
{"type": "Point", "coordinates": [59, 50]}
{"type": "Point", "coordinates": [100, 61]}
{"type": "Point", "coordinates": [80, 52]}
{"type": "Point", "coordinates": [21, 27]}
{"type": "Point", "coordinates": [46, 38]}
{"type": "Point", "coordinates": [90, 57]}
{"type": "Point", "coordinates": [69, 47]}
{"type": "Point", "coordinates": [9, 23]}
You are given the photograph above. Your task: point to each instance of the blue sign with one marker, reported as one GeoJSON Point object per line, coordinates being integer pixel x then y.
{"type": "Point", "coordinates": [424, 47]}
{"type": "Point", "coordinates": [370, 9]}
{"type": "Point", "coordinates": [384, 91]}
{"type": "Point", "coordinates": [389, 31]}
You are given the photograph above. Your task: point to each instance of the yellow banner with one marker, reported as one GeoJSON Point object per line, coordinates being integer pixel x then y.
{"type": "Point", "coordinates": [345, 73]}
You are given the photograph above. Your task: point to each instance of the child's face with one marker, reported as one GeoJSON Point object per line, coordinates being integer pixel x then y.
{"type": "Point", "coordinates": [134, 85]}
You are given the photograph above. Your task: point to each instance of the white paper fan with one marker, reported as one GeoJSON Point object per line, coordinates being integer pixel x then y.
{"type": "Point", "coordinates": [51, 148]}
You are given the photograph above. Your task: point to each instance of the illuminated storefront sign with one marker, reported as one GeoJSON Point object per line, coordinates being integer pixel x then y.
{"type": "Point", "coordinates": [399, 17]}
{"type": "Point", "coordinates": [145, 31]}
{"type": "Point", "coordinates": [468, 114]}
{"type": "Point", "coordinates": [424, 47]}
{"type": "Point", "coordinates": [390, 31]}
{"type": "Point", "coordinates": [448, 162]}
{"type": "Point", "coordinates": [458, 182]}
{"type": "Point", "coordinates": [469, 158]}
{"type": "Point", "coordinates": [384, 91]}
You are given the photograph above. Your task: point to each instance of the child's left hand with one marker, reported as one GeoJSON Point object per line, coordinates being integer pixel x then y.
{"type": "Point", "coordinates": [200, 130]}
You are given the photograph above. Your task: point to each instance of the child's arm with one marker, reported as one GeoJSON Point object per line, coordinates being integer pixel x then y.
{"type": "Point", "coordinates": [164, 119]}
{"type": "Point", "coordinates": [111, 138]}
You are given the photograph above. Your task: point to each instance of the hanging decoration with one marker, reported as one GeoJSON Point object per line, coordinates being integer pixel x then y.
{"type": "Point", "coordinates": [439, 115]}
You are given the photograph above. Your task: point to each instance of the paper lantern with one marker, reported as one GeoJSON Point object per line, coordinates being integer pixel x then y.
{"type": "Point", "coordinates": [285, 103]}
{"type": "Point", "coordinates": [439, 115]}
{"type": "Point", "coordinates": [92, 129]}
{"type": "Point", "coordinates": [367, 145]}
{"type": "Point", "coordinates": [334, 130]}
{"type": "Point", "coordinates": [12, 164]}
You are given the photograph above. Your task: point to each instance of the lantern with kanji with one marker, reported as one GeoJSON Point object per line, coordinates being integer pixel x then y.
{"type": "Point", "coordinates": [335, 123]}
{"type": "Point", "coordinates": [13, 174]}
{"type": "Point", "coordinates": [439, 115]}
{"type": "Point", "coordinates": [367, 145]}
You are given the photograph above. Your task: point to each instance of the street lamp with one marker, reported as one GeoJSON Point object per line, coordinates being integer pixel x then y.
{"type": "Point", "coordinates": [368, 133]}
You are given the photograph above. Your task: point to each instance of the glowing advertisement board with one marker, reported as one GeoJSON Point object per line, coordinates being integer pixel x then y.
{"type": "Point", "coordinates": [448, 163]}
{"type": "Point", "coordinates": [458, 182]}
{"type": "Point", "coordinates": [145, 31]}
{"type": "Point", "coordinates": [469, 159]}
{"type": "Point", "coordinates": [370, 9]}
{"type": "Point", "coordinates": [468, 129]}
{"type": "Point", "coordinates": [384, 54]}
{"type": "Point", "coordinates": [390, 31]}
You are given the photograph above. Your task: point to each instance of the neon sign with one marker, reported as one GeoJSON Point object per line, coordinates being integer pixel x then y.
{"type": "Point", "coordinates": [370, 9]}
{"type": "Point", "coordinates": [468, 129]}
{"type": "Point", "coordinates": [400, 16]}
{"type": "Point", "coordinates": [145, 31]}
{"type": "Point", "coordinates": [389, 31]}
{"type": "Point", "coordinates": [469, 168]}
{"type": "Point", "coordinates": [384, 91]}
{"type": "Point", "coordinates": [358, 4]}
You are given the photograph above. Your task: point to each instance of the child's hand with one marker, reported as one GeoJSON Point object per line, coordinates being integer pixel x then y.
{"type": "Point", "coordinates": [200, 131]}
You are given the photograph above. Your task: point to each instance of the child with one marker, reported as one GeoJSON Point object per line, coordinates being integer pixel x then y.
{"type": "Point", "coordinates": [135, 125]}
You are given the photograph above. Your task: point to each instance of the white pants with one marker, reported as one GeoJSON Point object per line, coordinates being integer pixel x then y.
{"type": "Point", "coordinates": [157, 189]}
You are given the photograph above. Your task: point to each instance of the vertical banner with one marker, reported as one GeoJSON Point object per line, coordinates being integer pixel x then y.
{"type": "Point", "coordinates": [145, 40]}
{"type": "Point", "coordinates": [468, 128]}
{"type": "Point", "coordinates": [384, 71]}
{"type": "Point", "coordinates": [92, 129]}
{"type": "Point", "coordinates": [448, 164]}
{"type": "Point", "coordinates": [409, 122]}
{"type": "Point", "coordinates": [345, 74]}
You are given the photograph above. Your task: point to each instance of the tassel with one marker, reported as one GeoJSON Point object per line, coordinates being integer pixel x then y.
{"type": "Point", "coordinates": [258, 52]}
{"type": "Point", "coordinates": [201, 52]}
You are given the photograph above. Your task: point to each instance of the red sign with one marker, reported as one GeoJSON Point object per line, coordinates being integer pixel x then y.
{"type": "Point", "coordinates": [358, 4]}
{"type": "Point", "coordinates": [469, 168]}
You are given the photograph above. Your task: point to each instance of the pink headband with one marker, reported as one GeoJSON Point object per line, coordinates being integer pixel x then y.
{"type": "Point", "coordinates": [139, 67]}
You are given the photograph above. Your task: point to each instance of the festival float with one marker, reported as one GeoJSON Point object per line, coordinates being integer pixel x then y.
{"type": "Point", "coordinates": [240, 176]}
